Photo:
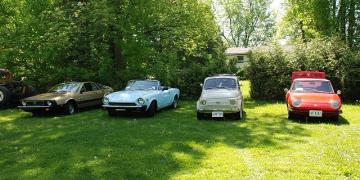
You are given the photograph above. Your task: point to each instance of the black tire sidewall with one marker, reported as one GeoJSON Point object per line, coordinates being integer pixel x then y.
{"type": "Point", "coordinates": [7, 95]}
{"type": "Point", "coordinates": [67, 108]}
{"type": "Point", "coordinates": [175, 102]}
{"type": "Point", "coordinates": [151, 111]}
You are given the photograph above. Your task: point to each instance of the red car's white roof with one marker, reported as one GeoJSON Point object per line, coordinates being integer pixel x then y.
{"type": "Point", "coordinates": [310, 79]}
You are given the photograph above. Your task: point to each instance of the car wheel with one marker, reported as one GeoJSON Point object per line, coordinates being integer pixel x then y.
{"type": "Point", "coordinates": [4, 95]}
{"type": "Point", "coordinates": [37, 113]}
{"type": "Point", "coordinates": [240, 115]}
{"type": "Point", "coordinates": [290, 115]}
{"type": "Point", "coordinates": [151, 110]}
{"type": "Point", "coordinates": [335, 118]}
{"type": "Point", "coordinates": [175, 102]}
{"type": "Point", "coordinates": [70, 108]}
{"type": "Point", "coordinates": [112, 112]}
{"type": "Point", "coordinates": [200, 116]}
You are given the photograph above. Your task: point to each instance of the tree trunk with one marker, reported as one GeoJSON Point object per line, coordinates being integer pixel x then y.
{"type": "Point", "coordinates": [117, 56]}
{"type": "Point", "coordinates": [351, 23]}
{"type": "Point", "coordinates": [342, 19]}
{"type": "Point", "coordinates": [303, 37]}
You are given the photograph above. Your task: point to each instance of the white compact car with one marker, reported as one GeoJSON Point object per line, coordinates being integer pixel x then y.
{"type": "Point", "coordinates": [221, 96]}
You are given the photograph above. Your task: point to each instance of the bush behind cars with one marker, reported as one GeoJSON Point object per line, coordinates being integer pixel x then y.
{"type": "Point", "coordinates": [270, 67]}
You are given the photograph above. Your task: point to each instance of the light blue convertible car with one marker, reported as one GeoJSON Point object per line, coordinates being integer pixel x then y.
{"type": "Point", "coordinates": [146, 96]}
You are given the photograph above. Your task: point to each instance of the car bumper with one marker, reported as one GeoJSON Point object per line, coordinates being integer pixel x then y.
{"type": "Point", "coordinates": [324, 113]}
{"type": "Point", "coordinates": [226, 109]}
{"type": "Point", "coordinates": [39, 108]}
{"type": "Point", "coordinates": [126, 108]}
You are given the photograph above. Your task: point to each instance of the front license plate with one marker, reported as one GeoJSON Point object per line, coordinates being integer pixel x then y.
{"type": "Point", "coordinates": [120, 109]}
{"type": "Point", "coordinates": [314, 113]}
{"type": "Point", "coordinates": [217, 114]}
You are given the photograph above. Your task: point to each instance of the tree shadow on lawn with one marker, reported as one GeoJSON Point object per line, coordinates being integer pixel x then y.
{"type": "Point", "coordinates": [307, 120]}
{"type": "Point", "coordinates": [93, 145]}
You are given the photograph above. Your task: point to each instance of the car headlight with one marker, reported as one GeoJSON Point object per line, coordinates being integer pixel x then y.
{"type": "Point", "coordinates": [49, 103]}
{"type": "Point", "coordinates": [106, 101]}
{"type": "Point", "coordinates": [232, 101]}
{"type": "Point", "coordinates": [335, 104]}
{"type": "Point", "coordinates": [203, 102]}
{"type": "Point", "coordinates": [23, 103]}
{"type": "Point", "coordinates": [141, 101]}
{"type": "Point", "coordinates": [296, 102]}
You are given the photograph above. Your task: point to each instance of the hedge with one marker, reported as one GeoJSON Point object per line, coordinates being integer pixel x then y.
{"type": "Point", "coordinates": [270, 68]}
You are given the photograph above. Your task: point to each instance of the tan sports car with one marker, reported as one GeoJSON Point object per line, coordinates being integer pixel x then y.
{"type": "Point", "coordinates": [68, 97]}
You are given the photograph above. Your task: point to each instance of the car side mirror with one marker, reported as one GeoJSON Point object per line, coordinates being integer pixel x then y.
{"type": "Point", "coordinates": [165, 88]}
{"type": "Point", "coordinates": [286, 90]}
{"type": "Point", "coordinates": [82, 91]}
{"type": "Point", "coordinates": [338, 92]}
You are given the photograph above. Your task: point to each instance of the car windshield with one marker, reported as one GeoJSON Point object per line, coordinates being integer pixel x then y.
{"type": "Point", "coordinates": [312, 86]}
{"type": "Point", "coordinates": [65, 87]}
{"type": "Point", "coordinates": [142, 85]}
{"type": "Point", "coordinates": [220, 83]}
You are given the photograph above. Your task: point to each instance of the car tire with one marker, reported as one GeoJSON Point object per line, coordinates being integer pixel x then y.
{"type": "Point", "coordinates": [335, 118]}
{"type": "Point", "coordinates": [5, 96]}
{"type": "Point", "coordinates": [239, 115]}
{"type": "Point", "coordinates": [112, 112]}
{"type": "Point", "coordinates": [70, 108]}
{"type": "Point", "coordinates": [175, 102]}
{"type": "Point", "coordinates": [200, 116]}
{"type": "Point", "coordinates": [151, 110]}
{"type": "Point", "coordinates": [291, 115]}
{"type": "Point", "coordinates": [37, 113]}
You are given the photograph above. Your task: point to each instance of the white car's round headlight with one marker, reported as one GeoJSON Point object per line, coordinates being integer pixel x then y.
{"type": "Point", "coordinates": [49, 103]}
{"type": "Point", "coordinates": [141, 101]}
{"type": "Point", "coordinates": [296, 102]}
{"type": "Point", "coordinates": [203, 102]}
{"type": "Point", "coordinates": [23, 103]}
{"type": "Point", "coordinates": [106, 100]}
{"type": "Point", "coordinates": [335, 104]}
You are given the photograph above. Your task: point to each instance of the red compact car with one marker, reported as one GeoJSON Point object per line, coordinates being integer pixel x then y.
{"type": "Point", "coordinates": [311, 95]}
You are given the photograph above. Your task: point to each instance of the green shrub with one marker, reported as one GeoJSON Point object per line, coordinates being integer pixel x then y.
{"type": "Point", "coordinates": [270, 68]}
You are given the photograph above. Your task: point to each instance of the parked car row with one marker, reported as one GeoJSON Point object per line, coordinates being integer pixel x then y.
{"type": "Point", "coordinates": [310, 95]}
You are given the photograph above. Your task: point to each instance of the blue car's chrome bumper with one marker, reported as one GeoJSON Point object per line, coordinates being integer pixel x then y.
{"type": "Point", "coordinates": [125, 108]}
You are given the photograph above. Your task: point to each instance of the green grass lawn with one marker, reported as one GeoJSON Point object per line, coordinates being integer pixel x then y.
{"type": "Point", "coordinates": [174, 145]}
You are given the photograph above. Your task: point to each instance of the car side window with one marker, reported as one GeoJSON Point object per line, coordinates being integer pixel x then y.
{"type": "Point", "coordinates": [87, 87]}
{"type": "Point", "coordinates": [94, 87]}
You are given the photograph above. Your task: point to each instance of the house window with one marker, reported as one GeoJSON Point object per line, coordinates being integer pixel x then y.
{"type": "Point", "coordinates": [240, 59]}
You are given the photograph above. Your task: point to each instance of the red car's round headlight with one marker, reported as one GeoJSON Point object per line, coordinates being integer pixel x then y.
{"type": "Point", "coordinates": [335, 104]}
{"type": "Point", "coordinates": [296, 102]}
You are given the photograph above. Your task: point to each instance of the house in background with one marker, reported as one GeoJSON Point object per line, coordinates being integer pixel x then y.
{"type": "Point", "coordinates": [238, 54]}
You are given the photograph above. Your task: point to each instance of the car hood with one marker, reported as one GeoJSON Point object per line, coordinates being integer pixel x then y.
{"type": "Point", "coordinates": [47, 96]}
{"type": "Point", "coordinates": [219, 93]}
{"type": "Point", "coordinates": [129, 95]}
{"type": "Point", "coordinates": [315, 97]}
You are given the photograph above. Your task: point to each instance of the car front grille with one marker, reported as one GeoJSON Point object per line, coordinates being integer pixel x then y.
{"type": "Point", "coordinates": [35, 103]}
{"type": "Point", "coordinates": [122, 104]}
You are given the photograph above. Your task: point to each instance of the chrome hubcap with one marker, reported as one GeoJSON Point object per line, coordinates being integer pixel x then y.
{"type": "Point", "coordinates": [175, 103]}
{"type": "Point", "coordinates": [1, 96]}
{"type": "Point", "coordinates": [71, 109]}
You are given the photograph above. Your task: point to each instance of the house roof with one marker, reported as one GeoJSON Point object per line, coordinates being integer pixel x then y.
{"type": "Point", "coordinates": [237, 51]}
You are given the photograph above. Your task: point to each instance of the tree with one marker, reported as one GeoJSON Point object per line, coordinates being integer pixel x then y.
{"type": "Point", "coordinates": [109, 41]}
{"type": "Point", "coordinates": [250, 22]}
{"type": "Point", "coordinates": [322, 18]}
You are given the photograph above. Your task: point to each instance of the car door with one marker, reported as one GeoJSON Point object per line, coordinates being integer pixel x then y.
{"type": "Point", "coordinates": [86, 97]}
{"type": "Point", "coordinates": [164, 95]}
{"type": "Point", "coordinates": [98, 94]}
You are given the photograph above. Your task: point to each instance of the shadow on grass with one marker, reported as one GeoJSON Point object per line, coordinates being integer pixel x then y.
{"type": "Point", "coordinates": [91, 144]}
{"type": "Point", "coordinates": [306, 120]}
